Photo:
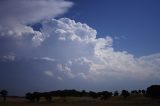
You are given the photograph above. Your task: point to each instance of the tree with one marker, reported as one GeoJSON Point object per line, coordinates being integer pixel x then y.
{"type": "Point", "coordinates": [104, 95]}
{"type": "Point", "coordinates": [29, 96]}
{"type": "Point", "coordinates": [153, 91]}
{"type": "Point", "coordinates": [4, 94]}
{"type": "Point", "coordinates": [35, 96]}
{"type": "Point", "coordinates": [135, 92]}
{"type": "Point", "coordinates": [93, 94]}
{"type": "Point", "coordinates": [143, 92]}
{"type": "Point", "coordinates": [116, 93]}
{"type": "Point", "coordinates": [139, 91]}
{"type": "Point", "coordinates": [125, 94]}
{"type": "Point", "coordinates": [48, 96]}
{"type": "Point", "coordinates": [83, 93]}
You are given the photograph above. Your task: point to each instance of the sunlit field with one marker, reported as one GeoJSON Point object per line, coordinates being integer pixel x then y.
{"type": "Point", "coordinates": [85, 101]}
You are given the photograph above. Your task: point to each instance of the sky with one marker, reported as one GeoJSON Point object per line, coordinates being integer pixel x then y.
{"type": "Point", "coordinates": [79, 44]}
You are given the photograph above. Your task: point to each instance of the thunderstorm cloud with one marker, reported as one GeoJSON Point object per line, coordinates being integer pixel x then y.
{"type": "Point", "coordinates": [63, 50]}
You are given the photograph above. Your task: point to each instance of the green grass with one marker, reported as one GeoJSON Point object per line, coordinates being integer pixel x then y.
{"type": "Point", "coordinates": [85, 101]}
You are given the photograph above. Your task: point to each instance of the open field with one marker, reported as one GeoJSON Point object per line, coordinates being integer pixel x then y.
{"type": "Point", "coordinates": [85, 101]}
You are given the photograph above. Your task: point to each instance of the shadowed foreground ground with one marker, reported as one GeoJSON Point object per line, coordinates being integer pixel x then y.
{"type": "Point", "coordinates": [85, 101]}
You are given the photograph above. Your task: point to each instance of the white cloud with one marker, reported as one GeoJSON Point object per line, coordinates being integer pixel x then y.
{"type": "Point", "coordinates": [29, 11]}
{"type": "Point", "coordinates": [67, 29]}
{"type": "Point", "coordinates": [8, 58]}
{"type": "Point", "coordinates": [49, 73]}
{"type": "Point", "coordinates": [74, 52]}
{"type": "Point", "coordinates": [48, 59]}
{"type": "Point", "coordinates": [66, 70]}
{"type": "Point", "coordinates": [59, 78]}
{"type": "Point", "coordinates": [82, 60]}
{"type": "Point", "coordinates": [119, 37]}
{"type": "Point", "coordinates": [16, 14]}
{"type": "Point", "coordinates": [82, 75]}
{"type": "Point", "coordinates": [97, 54]}
{"type": "Point", "coordinates": [69, 63]}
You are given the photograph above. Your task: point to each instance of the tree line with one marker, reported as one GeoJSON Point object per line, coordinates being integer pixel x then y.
{"type": "Point", "coordinates": [152, 91]}
{"type": "Point", "coordinates": [35, 96]}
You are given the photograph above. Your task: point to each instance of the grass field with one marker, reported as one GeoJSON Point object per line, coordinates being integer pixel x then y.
{"type": "Point", "coordinates": [85, 101]}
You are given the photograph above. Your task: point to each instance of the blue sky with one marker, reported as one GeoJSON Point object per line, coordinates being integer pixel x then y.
{"type": "Point", "coordinates": [135, 22]}
{"type": "Point", "coordinates": [79, 44]}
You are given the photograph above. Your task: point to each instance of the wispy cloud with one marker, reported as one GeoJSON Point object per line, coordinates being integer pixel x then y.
{"type": "Point", "coordinates": [47, 59]}
{"type": "Point", "coordinates": [49, 73]}
{"type": "Point", "coordinates": [8, 58]}
{"type": "Point", "coordinates": [59, 78]}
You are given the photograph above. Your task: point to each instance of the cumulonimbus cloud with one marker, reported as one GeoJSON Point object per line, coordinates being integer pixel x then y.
{"type": "Point", "coordinates": [73, 46]}
{"type": "Point", "coordinates": [66, 49]}
{"type": "Point", "coordinates": [94, 55]}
